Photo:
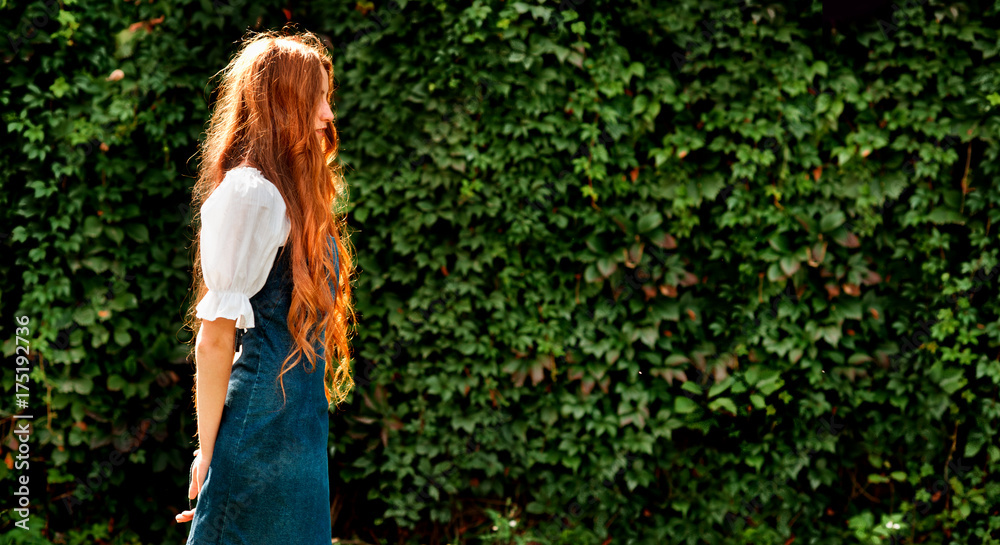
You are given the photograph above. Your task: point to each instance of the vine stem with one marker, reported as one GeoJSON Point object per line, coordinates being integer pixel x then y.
{"type": "Point", "coordinates": [796, 517]}
{"type": "Point", "coordinates": [947, 463]}
{"type": "Point", "coordinates": [862, 490]}
{"type": "Point", "coordinates": [965, 177]}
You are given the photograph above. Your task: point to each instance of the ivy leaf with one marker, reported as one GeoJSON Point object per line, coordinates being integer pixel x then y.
{"type": "Point", "coordinates": [116, 382]}
{"type": "Point", "coordinates": [649, 222]}
{"type": "Point", "coordinates": [649, 335]}
{"type": "Point", "coordinates": [832, 334]}
{"type": "Point", "coordinates": [84, 316]}
{"type": "Point", "coordinates": [91, 227]}
{"type": "Point", "coordinates": [952, 380]}
{"type": "Point", "coordinates": [98, 264]}
{"type": "Point", "coordinates": [83, 385]}
{"type": "Point", "coordinates": [941, 215]}
{"type": "Point", "coordinates": [138, 232]}
{"type": "Point", "coordinates": [859, 358]}
{"type": "Point", "coordinates": [541, 12]}
{"type": "Point", "coordinates": [831, 221]}
{"type": "Point", "coordinates": [789, 265]}
{"type": "Point", "coordinates": [122, 337]}
{"type": "Point", "coordinates": [59, 87]}
{"type": "Point", "coordinates": [774, 272]}
{"type": "Point", "coordinates": [850, 309]}
{"type": "Point", "coordinates": [779, 242]}
{"type": "Point", "coordinates": [115, 234]}
{"type": "Point", "coordinates": [720, 387]}
{"type": "Point", "coordinates": [19, 234]}
{"type": "Point", "coordinates": [607, 266]}
{"type": "Point", "coordinates": [723, 403]}
{"type": "Point", "coordinates": [684, 405]}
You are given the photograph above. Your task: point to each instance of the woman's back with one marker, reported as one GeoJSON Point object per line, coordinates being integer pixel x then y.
{"type": "Point", "coordinates": [270, 359]}
{"type": "Point", "coordinates": [270, 477]}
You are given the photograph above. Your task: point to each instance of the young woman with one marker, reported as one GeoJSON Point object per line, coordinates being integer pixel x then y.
{"type": "Point", "coordinates": [271, 270]}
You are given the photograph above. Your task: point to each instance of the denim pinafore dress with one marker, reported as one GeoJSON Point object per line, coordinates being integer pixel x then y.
{"type": "Point", "coordinates": [268, 482]}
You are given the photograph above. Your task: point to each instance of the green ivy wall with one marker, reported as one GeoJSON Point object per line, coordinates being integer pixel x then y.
{"type": "Point", "coordinates": [629, 272]}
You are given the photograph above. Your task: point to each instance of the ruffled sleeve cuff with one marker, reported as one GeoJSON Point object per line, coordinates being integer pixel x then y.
{"type": "Point", "coordinates": [232, 305]}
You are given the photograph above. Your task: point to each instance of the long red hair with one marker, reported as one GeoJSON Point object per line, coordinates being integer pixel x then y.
{"type": "Point", "coordinates": [265, 115]}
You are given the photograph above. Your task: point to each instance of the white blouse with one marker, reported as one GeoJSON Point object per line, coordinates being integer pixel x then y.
{"type": "Point", "coordinates": [243, 222]}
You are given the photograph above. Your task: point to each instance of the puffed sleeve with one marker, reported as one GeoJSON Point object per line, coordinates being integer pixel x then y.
{"type": "Point", "coordinates": [243, 223]}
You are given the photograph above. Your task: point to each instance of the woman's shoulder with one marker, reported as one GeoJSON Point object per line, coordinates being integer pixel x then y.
{"type": "Point", "coordinates": [246, 180]}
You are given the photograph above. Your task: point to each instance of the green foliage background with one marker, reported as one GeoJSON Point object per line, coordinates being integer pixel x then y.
{"type": "Point", "coordinates": [666, 272]}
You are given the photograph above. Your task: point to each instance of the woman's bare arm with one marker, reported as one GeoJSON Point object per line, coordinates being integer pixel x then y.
{"type": "Point", "coordinates": [214, 352]}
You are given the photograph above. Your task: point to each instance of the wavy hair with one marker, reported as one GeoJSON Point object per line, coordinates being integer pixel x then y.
{"type": "Point", "coordinates": [264, 114]}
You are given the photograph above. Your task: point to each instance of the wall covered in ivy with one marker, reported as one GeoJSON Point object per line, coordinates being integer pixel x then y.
{"type": "Point", "coordinates": [628, 272]}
